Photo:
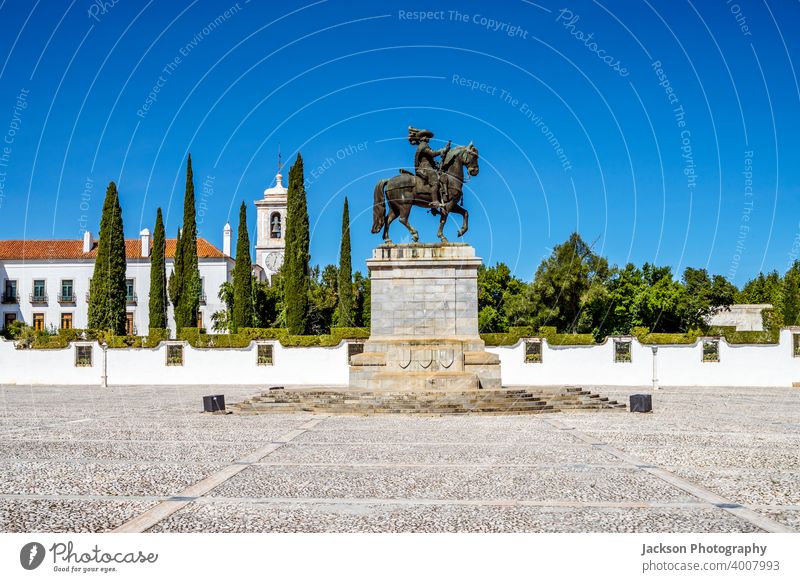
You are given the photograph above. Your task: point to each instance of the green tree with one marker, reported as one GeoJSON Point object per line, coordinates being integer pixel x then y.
{"type": "Point", "coordinates": [107, 296]}
{"type": "Point", "coordinates": [496, 285]}
{"type": "Point", "coordinates": [345, 316]}
{"type": "Point", "coordinates": [174, 286]}
{"type": "Point", "coordinates": [296, 254]}
{"type": "Point", "coordinates": [322, 299]}
{"type": "Point", "coordinates": [790, 295]}
{"type": "Point", "coordinates": [158, 277]}
{"type": "Point", "coordinates": [222, 321]}
{"type": "Point", "coordinates": [268, 302]}
{"type": "Point", "coordinates": [704, 297]}
{"type": "Point", "coordinates": [242, 277]}
{"type": "Point", "coordinates": [559, 288]}
{"type": "Point", "coordinates": [362, 300]}
{"type": "Point", "coordinates": [185, 282]}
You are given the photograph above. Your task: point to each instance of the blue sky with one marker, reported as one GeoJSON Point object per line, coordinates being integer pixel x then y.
{"type": "Point", "coordinates": [677, 121]}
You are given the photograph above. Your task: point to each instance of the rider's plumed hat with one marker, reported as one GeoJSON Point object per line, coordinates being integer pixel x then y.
{"type": "Point", "coordinates": [415, 135]}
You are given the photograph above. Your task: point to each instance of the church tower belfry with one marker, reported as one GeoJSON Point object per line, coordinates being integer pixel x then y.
{"type": "Point", "coordinates": [271, 215]}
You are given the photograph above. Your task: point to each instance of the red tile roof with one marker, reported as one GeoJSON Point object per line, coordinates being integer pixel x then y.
{"type": "Point", "coordinates": [36, 250]}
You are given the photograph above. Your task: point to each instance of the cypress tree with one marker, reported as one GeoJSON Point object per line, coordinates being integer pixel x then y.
{"type": "Point", "coordinates": [107, 289]}
{"type": "Point", "coordinates": [345, 273]}
{"type": "Point", "coordinates": [186, 291]}
{"type": "Point", "coordinates": [242, 278]}
{"type": "Point", "coordinates": [158, 277]}
{"type": "Point", "coordinates": [296, 257]}
{"type": "Point", "coordinates": [177, 273]}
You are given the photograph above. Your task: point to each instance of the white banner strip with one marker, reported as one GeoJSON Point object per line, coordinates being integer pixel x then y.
{"type": "Point", "coordinates": [399, 557]}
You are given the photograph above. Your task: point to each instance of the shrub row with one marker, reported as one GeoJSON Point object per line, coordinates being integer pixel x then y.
{"type": "Point", "coordinates": [197, 338]}
{"type": "Point", "coordinates": [642, 334]}
{"type": "Point", "coordinates": [514, 334]}
{"type": "Point", "coordinates": [44, 341]}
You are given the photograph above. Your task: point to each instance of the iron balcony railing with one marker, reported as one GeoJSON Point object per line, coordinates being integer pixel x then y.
{"type": "Point", "coordinates": [40, 298]}
{"type": "Point", "coordinates": [10, 298]}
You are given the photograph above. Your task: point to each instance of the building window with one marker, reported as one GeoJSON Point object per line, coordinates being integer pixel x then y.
{"type": "Point", "coordinates": [711, 350]}
{"type": "Point", "coordinates": [264, 356]}
{"type": "Point", "coordinates": [130, 294]}
{"type": "Point", "coordinates": [66, 321]}
{"type": "Point", "coordinates": [130, 329]}
{"type": "Point", "coordinates": [38, 321]}
{"type": "Point", "coordinates": [275, 225]}
{"type": "Point", "coordinates": [622, 351]}
{"type": "Point", "coordinates": [202, 291]}
{"type": "Point", "coordinates": [533, 351]}
{"type": "Point", "coordinates": [38, 295]}
{"type": "Point", "coordinates": [10, 292]}
{"type": "Point", "coordinates": [83, 356]}
{"type": "Point", "coordinates": [67, 294]}
{"type": "Point", "coordinates": [174, 354]}
{"type": "Point", "coordinates": [796, 345]}
{"type": "Point", "coordinates": [354, 348]}
{"type": "Point", "coordinates": [8, 319]}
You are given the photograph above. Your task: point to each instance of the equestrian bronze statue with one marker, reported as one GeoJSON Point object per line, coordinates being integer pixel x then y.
{"type": "Point", "coordinates": [434, 186]}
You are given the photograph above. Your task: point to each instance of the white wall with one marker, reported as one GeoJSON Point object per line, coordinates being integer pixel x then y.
{"type": "Point", "coordinates": [678, 365]}
{"type": "Point", "coordinates": [147, 366]}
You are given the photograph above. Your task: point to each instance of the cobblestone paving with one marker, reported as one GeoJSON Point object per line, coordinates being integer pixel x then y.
{"type": "Point", "coordinates": [89, 459]}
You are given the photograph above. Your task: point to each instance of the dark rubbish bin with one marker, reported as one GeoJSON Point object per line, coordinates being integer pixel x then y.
{"type": "Point", "coordinates": [641, 403]}
{"type": "Point", "coordinates": [215, 403]}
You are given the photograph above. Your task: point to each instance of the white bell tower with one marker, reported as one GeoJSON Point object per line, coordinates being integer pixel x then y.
{"type": "Point", "coordinates": [271, 211]}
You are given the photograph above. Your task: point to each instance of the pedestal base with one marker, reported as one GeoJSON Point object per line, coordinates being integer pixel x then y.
{"type": "Point", "coordinates": [424, 322]}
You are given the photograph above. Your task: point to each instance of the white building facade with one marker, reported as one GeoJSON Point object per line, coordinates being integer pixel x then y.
{"type": "Point", "coordinates": [45, 283]}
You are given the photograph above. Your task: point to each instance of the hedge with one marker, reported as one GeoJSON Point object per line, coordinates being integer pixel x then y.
{"type": "Point", "coordinates": [64, 337]}
{"type": "Point", "coordinates": [514, 334]}
{"type": "Point", "coordinates": [199, 339]}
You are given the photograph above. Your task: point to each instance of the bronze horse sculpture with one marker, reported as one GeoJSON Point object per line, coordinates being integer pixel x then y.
{"type": "Point", "coordinates": [402, 192]}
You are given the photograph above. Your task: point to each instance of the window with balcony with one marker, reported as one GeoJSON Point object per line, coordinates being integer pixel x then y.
{"type": "Point", "coordinates": [130, 293]}
{"type": "Point", "coordinates": [66, 321]}
{"type": "Point", "coordinates": [67, 294]}
{"type": "Point", "coordinates": [38, 321]}
{"type": "Point", "coordinates": [39, 295]}
{"type": "Point", "coordinates": [202, 292]}
{"type": "Point", "coordinates": [10, 292]}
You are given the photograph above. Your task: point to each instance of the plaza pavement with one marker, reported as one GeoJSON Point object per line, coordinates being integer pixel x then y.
{"type": "Point", "coordinates": [77, 459]}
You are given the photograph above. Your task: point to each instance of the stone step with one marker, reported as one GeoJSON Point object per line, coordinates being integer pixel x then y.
{"type": "Point", "coordinates": [503, 401]}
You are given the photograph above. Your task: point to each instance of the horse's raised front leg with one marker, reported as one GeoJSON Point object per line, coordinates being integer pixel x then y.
{"type": "Point", "coordinates": [463, 212]}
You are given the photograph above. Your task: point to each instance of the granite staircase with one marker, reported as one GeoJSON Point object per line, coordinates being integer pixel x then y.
{"type": "Point", "coordinates": [349, 401]}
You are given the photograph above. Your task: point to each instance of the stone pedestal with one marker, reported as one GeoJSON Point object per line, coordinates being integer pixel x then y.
{"type": "Point", "coordinates": [424, 322]}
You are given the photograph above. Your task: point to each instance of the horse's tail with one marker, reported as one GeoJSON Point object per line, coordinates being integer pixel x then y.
{"type": "Point", "coordinates": [379, 207]}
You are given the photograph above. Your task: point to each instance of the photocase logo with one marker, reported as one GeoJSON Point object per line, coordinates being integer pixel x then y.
{"type": "Point", "coordinates": [31, 555]}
